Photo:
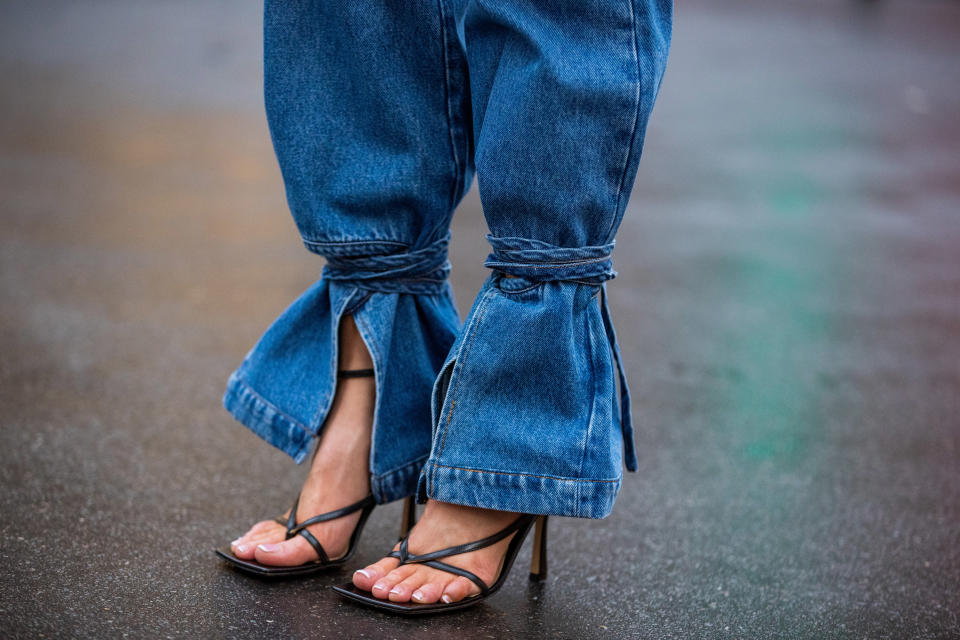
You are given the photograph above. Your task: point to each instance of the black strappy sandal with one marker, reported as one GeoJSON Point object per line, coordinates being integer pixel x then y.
{"type": "Point", "coordinates": [295, 528]}
{"type": "Point", "coordinates": [521, 526]}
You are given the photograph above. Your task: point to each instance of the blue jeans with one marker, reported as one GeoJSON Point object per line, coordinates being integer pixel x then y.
{"type": "Point", "coordinates": [380, 114]}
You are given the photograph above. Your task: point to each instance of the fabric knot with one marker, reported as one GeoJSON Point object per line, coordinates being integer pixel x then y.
{"type": "Point", "coordinates": [420, 271]}
{"type": "Point", "coordinates": [543, 262]}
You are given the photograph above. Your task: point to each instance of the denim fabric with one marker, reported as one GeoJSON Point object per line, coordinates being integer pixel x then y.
{"type": "Point", "coordinates": [372, 149]}
{"type": "Point", "coordinates": [380, 114]}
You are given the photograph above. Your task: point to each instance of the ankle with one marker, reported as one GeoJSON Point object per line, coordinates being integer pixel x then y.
{"type": "Point", "coordinates": [341, 463]}
{"type": "Point", "coordinates": [353, 350]}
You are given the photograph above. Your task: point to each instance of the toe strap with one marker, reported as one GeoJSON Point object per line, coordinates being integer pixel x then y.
{"type": "Point", "coordinates": [300, 529]}
{"type": "Point", "coordinates": [449, 568]}
{"type": "Point", "coordinates": [315, 544]}
{"type": "Point", "coordinates": [366, 503]}
{"type": "Point", "coordinates": [408, 558]}
{"type": "Point", "coordinates": [431, 559]}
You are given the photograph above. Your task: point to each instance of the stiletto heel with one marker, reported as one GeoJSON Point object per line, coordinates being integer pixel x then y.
{"type": "Point", "coordinates": [519, 529]}
{"type": "Point", "coordinates": [409, 517]}
{"type": "Point", "coordinates": [295, 528]}
{"type": "Point", "coordinates": [538, 559]}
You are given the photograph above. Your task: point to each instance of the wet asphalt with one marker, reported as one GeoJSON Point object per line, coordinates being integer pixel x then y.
{"type": "Point", "coordinates": [788, 304]}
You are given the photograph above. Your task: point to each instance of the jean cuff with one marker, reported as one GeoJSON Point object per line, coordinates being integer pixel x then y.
{"type": "Point", "coordinates": [265, 420]}
{"type": "Point", "coordinates": [518, 492]}
{"type": "Point", "coordinates": [397, 483]}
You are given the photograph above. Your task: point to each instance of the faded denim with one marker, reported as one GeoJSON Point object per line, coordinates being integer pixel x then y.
{"type": "Point", "coordinates": [381, 114]}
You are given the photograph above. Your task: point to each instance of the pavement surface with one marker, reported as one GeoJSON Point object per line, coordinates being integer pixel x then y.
{"type": "Point", "coordinates": [788, 303]}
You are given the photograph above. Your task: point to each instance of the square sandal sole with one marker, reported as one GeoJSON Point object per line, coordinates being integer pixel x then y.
{"type": "Point", "coordinates": [352, 593]}
{"type": "Point", "coordinates": [267, 571]}
{"type": "Point", "coordinates": [521, 527]}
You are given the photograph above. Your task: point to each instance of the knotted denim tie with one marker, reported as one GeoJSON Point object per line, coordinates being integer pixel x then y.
{"type": "Point", "coordinates": [421, 271]}
{"type": "Point", "coordinates": [592, 265]}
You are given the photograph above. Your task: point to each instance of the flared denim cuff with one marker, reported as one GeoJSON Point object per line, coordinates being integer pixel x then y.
{"type": "Point", "coordinates": [526, 409]}
{"type": "Point", "coordinates": [403, 308]}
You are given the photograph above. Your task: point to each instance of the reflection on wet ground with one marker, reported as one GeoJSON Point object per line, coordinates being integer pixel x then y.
{"type": "Point", "coordinates": [788, 305]}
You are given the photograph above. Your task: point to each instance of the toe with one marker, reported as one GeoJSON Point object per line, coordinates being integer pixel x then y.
{"type": "Point", "coordinates": [288, 553]}
{"type": "Point", "coordinates": [459, 589]}
{"type": "Point", "coordinates": [243, 550]}
{"type": "Point", "coordinates": [365, 578]}
{"type": "Point", "coordinates": [259, 530]}
{"type": "Point", "coordinates": [402, 591]}
{"type": "Point", "coordinates": [261, 527]}
{"type": "Point", "coordinates": [265, 531]}
{"type": "Point", "coordinates": [429, 592]}
{"type": "Point", "coordinates": [382, 587]}
{"type": "Point", "coordinates": [246, 547]}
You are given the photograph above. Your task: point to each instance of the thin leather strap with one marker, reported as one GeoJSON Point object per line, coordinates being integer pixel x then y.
{"type": "Point", "coordinates": [430, 559]}
{"type": "Point", "coordinates": [333, 515]}
{"type": "Point", "coordinates": [324, 558]}
{"type": "Point", "coordinates": [407, 558]}
{"type": "Point", "coordinates": [355, 373]}
{"type": "Point", "coordinates": [292, 518]}
{"type": "Point", "coordinates": [294, 529]}
{"type": "Point", "coordinates": [449, 568]}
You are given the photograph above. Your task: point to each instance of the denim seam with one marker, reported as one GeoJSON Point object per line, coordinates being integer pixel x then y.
{"type": "Point", "coordinates": [636, 118]}
{"type": "Point", "coordinates": [540, 284]}
{"type": "Point", "coordinates": [320, 414]}
{"type": "Point", "coordinates": [437, 465]}
{"type": "Point", "coordinates": [593, 397]}
{"type": "Point", "coordinates": [457, 178]}
{"type": "Point", "coordinates": [272, 406]}
{"type": "Point", "coordinates": [352, 306]}
{"type": "Point", "coordinates": [362, 328]}
{"type": "Point", "coordinates": [460, 360]}
{"type": "Point", "coordinates": [372, 345]}
{"type": "Point", "coordinates": [535, 285]}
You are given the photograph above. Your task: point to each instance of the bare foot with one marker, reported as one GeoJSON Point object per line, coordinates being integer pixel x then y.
{"type": "Point", "coordinates": [442, 525]}
{"type": "Point", "coordinates": [339, 474]}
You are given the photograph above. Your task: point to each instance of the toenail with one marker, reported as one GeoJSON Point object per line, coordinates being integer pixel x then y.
{"type": "Point", "coordinates": [396, 591]}
{"type": "Point", "coordinates": [236, 542]}
{"type": "Point", "coordinates": [378, 587]}
{"type": "Point", "coordinates": [364, 573]}
{"type": "Point", "coordinates": [417, 595]}
{"type": "Point", "coordinates": [446, 599]}
{"type": "Point", "coordinates": [268, 548]}
{"type": "Point", "coordinates": [243, 548]}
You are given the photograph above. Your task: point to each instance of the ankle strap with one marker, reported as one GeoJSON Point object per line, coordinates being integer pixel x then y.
{"type": "Point", "coordinates": [355, 373]}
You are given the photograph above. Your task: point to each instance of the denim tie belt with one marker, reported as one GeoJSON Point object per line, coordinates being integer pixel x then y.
{"type": "Point", "coordinates": [539, 261]}
{"type": "Point", "coordinates": [421, 271]}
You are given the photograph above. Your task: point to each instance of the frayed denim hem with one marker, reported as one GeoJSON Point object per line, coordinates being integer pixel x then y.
{"type": "Point", "coordinates": [265, 420]}
{"type": "Point", "coordinates": [518, 492]}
